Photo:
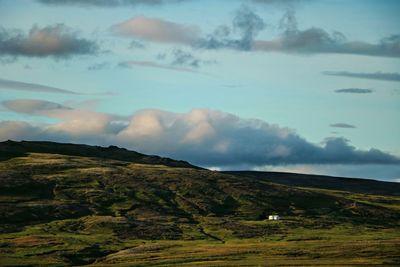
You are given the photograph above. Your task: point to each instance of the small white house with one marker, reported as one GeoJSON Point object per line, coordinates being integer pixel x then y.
{"type": "Point", "coordinates": [273, 217]}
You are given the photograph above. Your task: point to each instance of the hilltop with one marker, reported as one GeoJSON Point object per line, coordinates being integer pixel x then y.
{"type": "Point", "coordinates": [10, 149]}
{"type": "Point", "coordinates": [66, 204]}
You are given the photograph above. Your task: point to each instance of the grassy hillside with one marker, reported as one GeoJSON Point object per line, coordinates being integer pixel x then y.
{"type": "Point", "coordinates": [62, 205]}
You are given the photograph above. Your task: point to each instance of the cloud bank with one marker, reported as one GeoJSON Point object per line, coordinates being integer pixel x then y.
{"type": "Point", "coordinates": [57, 41]}
{"type": "Point", "coordinates": [201, 136]}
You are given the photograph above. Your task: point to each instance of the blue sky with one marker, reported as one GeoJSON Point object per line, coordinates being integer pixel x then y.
{"type": "Point", "coordinates": [318, 76]}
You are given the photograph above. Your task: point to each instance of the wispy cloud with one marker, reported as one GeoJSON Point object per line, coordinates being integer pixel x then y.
{"type": "Point", "coordinates": [99, 66]}
{"type": "Point", "coordinates": [32, 106]}
{"type": "Point", "coordinates": [384, 76]}
{"type": "Point", "coordinates": [354, 91]}
{"type": "Point", "coordinates": [133, 3]}
{"type": "Point", "coordinates": [284, 2]}
{"type": "Point", "coordinates": [184, 58]}
{"type": "Point", "coordinates": [32, 87]}
{"type": "Point", "coordinates": [202, 136]}
{"type": "Point", "coordinates": [342, 125]}
{"type": "Point", "coordinates": [150, 64]}
{"type": "Point", "coordinates": [56, 41]}
{"type": "Point", "coordinates": [38, 88]}
{"type": "Point", "coordinates": [106, 3]}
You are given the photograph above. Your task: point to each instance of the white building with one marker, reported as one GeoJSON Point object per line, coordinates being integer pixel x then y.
{"type": "Point", "coordinates": [273, 217]}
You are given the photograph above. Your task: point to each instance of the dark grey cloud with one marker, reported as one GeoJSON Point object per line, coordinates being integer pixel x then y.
{"type": "Point", "coordinates": [354, 91]}
{"type": "Point", "coordinates": [57, 41]}
{"type": "Point", "coordinates": [342, 125]}
{"type": "Point", "coordinates": [106, 3]}
{"type": "Point", "coordinates": [204, 137]}
{"type": "Point", "coordinates": [383, 76]}
{"type": "Point", "coordinates": [246, 23]}
{"type": "Point", "coordinates": [316, 40]}
{"type": "Point", "coordinates": [32, 87]}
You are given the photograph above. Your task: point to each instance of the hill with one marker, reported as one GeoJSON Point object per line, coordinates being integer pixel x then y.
{"type": "Point", "coordinates": [65, 204]}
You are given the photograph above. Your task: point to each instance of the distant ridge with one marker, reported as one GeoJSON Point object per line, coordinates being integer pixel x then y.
{"type": "Point", "coordinates": [10, 149]}
{"type": "Point", "coordinates": [356, 185]}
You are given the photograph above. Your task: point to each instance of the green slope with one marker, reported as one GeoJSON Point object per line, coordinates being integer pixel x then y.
{"type": "Point", "coordinates": [62, 205]}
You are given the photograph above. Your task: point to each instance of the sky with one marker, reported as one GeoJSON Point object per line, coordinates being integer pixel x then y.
{"type": "Point", "coordinates": [291, 85]}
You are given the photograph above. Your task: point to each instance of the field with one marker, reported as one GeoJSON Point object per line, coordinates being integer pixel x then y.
{"type": "Point", "coordinates": [66, 210]}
